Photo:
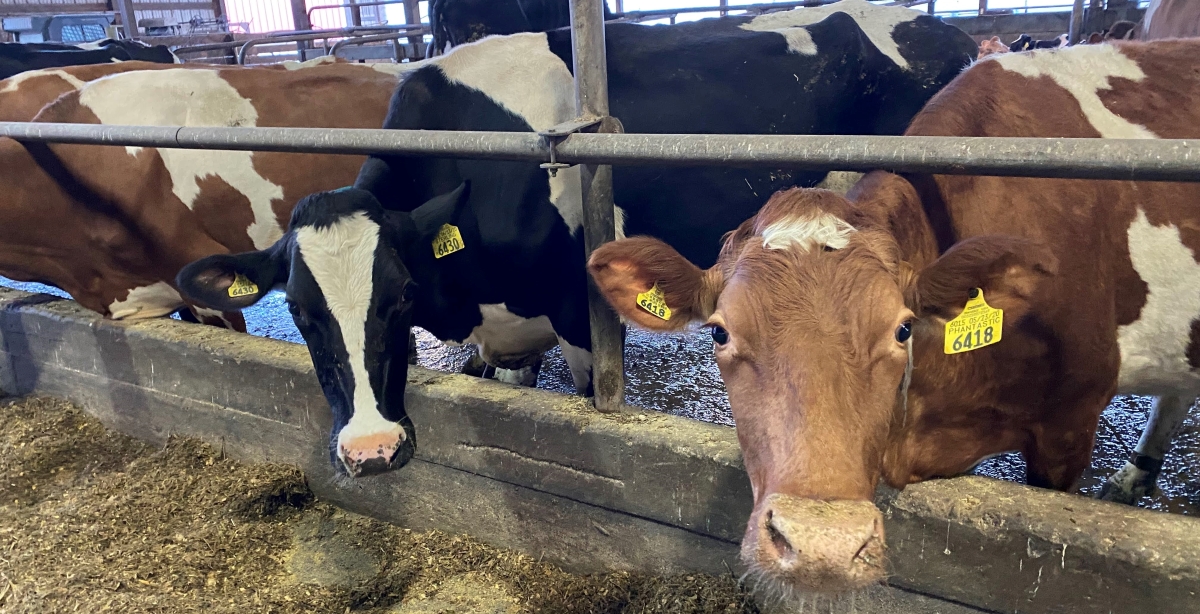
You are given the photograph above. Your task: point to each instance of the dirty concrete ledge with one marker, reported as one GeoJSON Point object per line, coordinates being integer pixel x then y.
{"type": "Point", "coordinates": [540, 472]}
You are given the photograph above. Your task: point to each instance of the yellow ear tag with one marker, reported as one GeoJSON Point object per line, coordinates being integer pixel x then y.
{"type": "Point", "coordinates": [242, 287]}
{"type": "Point", "coordinates": [654, 302]}
{"type": "Point", "coordinates": [979, 325]}
{"type": "Point", "coordinates": [447, 241]}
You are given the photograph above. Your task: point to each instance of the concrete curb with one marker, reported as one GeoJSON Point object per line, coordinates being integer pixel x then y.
{"type": "Point", "coordinates": [542, 473]}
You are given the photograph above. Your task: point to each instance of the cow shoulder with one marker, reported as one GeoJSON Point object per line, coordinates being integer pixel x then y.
{"type": "Point", "coordinates": [519, 73]}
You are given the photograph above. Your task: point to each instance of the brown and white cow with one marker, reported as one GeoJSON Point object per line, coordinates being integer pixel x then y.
{"type": "Point", "coordinates": [112, 226]}
{"type": "Point", "coordinates": [23, 95]}
{"type": "Point", "coordinates": [829, 314]}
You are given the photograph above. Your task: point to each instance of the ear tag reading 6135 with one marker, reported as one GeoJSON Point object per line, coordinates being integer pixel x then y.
{"type": "Point", "coordinates": [242, 287]}
{"type": "Point", "coordinates": [978, 325]}
{"type": "Point", "coordinates": [447, 241]}
{"type": "Point", "coordinates": [654, 302]}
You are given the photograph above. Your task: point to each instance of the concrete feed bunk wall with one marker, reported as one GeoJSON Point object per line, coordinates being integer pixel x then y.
{"type": "Point", "coordinates": [543, 473]}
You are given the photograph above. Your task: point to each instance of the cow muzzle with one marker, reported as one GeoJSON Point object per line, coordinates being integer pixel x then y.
{"type": "Point", "coordinates": [374, 453]}
{"type": "Point", "coordinates": [813, 546]}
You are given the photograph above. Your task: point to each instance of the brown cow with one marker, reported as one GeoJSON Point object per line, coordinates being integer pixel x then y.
{"type": "Point", "coordinates": [830, 314]}
{"type": "Point", "coordinates": [112, 225]}
{"type": "Point", "coordinates": [1171, 19]}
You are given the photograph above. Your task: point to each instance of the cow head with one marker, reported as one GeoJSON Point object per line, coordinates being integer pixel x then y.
{"type": "Point", "coordinates": [344, 264]}
{"type": "Point", "coordinates": [815, 317]}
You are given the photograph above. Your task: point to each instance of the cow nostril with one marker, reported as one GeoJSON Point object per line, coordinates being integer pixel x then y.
{"type": "Point", "coordinates": [869, 552]}
{"type": "Point", "coordinates": [782, 546]}
{"type": "Point", "coordinates": [350, 467]}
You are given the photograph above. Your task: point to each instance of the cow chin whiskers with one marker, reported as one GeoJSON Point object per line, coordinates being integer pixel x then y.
{"type": "Point", "coordinates": [340, 478]}
{"type": "Point", "coordinates": [776, 596]}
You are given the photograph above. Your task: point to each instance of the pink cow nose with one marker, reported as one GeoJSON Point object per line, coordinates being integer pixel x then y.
{"type": "Point", "coordinates": [374, 453]}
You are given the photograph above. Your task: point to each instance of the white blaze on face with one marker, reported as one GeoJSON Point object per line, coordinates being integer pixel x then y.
{"type": "Point", "coordinates": [14, 82]}
{"type": "Point", "coordinates": [341, 258]}
{"type": "Point", "coordinates": [877, 22]}
{"type": "Point", "coordinates": [1083, 70]}
{"type": "Point", "coordinates": [808, 232]}
{"type": "Point", "coordinates": [153, 301]}
{"type": "Point", "coordinates": [181, 97]}
{"type": "Point", "coordinates": [1154, 348]}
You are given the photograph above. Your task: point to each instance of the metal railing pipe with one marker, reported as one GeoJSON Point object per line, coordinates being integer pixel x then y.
{"type": "Point", "coordinates": [244, 51]}
{"type": "Point", "coordinates": [362, 40]}
{"type": "Point", "coordinates": [750, 8]}
{"type": "Point", "coordinates": [591, 102]}
{"type": "Point", "coordinates": [320, 35]}
{"type": "Point", "coordinates": [1117, 159]}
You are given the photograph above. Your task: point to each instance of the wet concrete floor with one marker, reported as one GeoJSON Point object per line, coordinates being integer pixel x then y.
{"type": "Point", "coordinates": [677, 374]}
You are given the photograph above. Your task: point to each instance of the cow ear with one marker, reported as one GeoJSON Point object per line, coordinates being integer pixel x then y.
{"type": "Point", "coordinates": [229, 282]}
{"type": "Point", "coordinates": [439, 210]}
{"type": "Point", "coordinates": [641, 276]}
{"type": "Point", "coordinates": [1009, 270]}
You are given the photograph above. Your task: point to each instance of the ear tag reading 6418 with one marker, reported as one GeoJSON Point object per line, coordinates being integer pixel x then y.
{"type": "Point", "coordinates": [978, 325]}
{"type": "Point", "coordinates": [242, 287]}
{"type": "Point", "coordinates": [654, 302]}
{"type": "Point", "coordinates": [447, 241]}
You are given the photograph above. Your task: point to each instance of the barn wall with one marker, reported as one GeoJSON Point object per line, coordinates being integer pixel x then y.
{"type": "Point", "coordinates": [544, 473]}
{"type": "Point", "coordinates": [154, 9]}
{"type": "Point", "coordinates": [22, 7]}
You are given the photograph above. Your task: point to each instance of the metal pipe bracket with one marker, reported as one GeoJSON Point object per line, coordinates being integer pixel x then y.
{"type": "Point", "coordinates": [555, 135]}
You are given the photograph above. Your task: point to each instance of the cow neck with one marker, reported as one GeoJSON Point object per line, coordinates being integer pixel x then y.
{"type": "Point", "coordinates": [939, 427]}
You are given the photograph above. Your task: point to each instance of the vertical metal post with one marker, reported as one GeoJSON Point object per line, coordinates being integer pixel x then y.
{"type": "Point", "coordinates": [930, 7]}
{"type": "Point", "coordinates": [982, 7]}
{"type": "Point", "coordinates": [300, 21]}
{"type": "Point", "coordinates": [1076, 22]}
{"type": "Point", "coordinates": [412, 16]}
{"type": "Point", "coordinates": [128, 18]}
{"type": "Point", "coordinates": [300, 15]}
{"type": "Point", "coordinates": [591, 101]}
{"type": "Point", "coordinates": [724, 7]}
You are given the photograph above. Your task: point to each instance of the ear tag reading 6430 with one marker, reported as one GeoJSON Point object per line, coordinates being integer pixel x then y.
{"type": "Point", "coordinates": [978, 325]}
{"type": "Point", "coordinates": [242, 287]}
{"type": "Point", "coordinates": [447, 241]}
{"type": "Point", "coordinates": [654, 302]}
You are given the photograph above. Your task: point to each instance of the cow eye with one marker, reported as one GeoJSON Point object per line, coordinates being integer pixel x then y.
{"type": "Point", "coordinates": [298, 314]}
{"type": "Point", "coordinates": [720, 335]}
{"type": "Point", "coordinates": [410, 292]}
{"type": "Point", "coordinates": [904, 333]}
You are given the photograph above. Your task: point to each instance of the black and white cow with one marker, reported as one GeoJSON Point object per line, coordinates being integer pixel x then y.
{"type": "Point", "coordinates": [455, 22]}
{"type": "Point", "coordinates": [16, 58]}
{"type": "Point", "coordinates": [490, 252]}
